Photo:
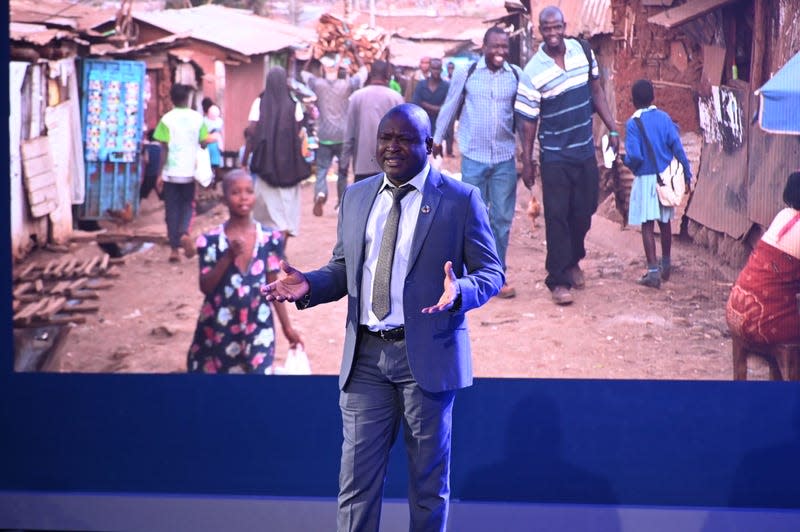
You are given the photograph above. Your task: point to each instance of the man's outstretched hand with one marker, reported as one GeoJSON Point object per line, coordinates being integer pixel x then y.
{"type": "Point", "coordinates": [292, 285]}
{"type": "Point", "coordinates": [450, 293]}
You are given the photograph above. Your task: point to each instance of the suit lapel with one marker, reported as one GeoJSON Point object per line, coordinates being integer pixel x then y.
{"type": "Point", "coordinates": [364, 200]}
{"type": "Point", "coordinates": [431, 195]}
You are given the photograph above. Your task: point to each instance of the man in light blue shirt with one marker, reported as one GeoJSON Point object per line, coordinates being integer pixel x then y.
{"type": "Point", "coordinates": [489, 95]}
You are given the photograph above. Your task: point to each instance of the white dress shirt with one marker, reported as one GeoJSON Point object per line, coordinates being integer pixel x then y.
{"type": "Point", "coordinates": [409, 212]}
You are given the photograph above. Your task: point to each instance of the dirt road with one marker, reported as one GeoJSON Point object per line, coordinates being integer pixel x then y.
{"type": "Point", "coordinates": [614, 330]}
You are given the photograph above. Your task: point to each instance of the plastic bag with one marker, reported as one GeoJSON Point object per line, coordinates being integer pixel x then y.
{"type": "Point", "coordinates": [296, 362]}
{"type": "Point", "coordinates": [203, 173]}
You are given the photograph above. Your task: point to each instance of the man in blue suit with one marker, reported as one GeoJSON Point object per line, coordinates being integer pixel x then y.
{"type": "Point", "coordinates": [406, 347]}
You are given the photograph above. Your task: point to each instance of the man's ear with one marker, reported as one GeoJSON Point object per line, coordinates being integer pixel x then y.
{"type": "Point", "coordinates": [429, 144]}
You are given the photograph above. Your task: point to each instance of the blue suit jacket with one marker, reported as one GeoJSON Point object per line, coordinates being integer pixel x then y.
{"type": "Point", "coordinates": [452, 225]}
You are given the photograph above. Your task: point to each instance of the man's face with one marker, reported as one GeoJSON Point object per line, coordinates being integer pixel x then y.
{"type": "Point", "coordinates": [425, 65]}
{"type": "Point", "coordinates": [436, 70]}
{"type": "Point", "coordinates": [495, 50]}
{"type": "Point", "coordinates": [403, 146]}
{"type": "Point", "coordinates": [450, 69]}
{"type": "Point", "coordinates": [553, 28]}
{"type": "Point", "coordinates": [331, 73]}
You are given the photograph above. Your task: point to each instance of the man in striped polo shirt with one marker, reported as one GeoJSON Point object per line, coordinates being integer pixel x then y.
{"type": "Point", "coordinates": [490, 95]}
{"type": "Point", "coordinates": [566, 92]}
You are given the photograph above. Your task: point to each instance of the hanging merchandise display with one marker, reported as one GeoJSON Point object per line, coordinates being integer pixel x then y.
{"type": "Point", "coordinates": [113, 117]}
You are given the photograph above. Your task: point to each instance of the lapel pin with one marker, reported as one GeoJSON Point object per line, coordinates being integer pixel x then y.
{"type": "Point", "coordinates": [425, 209]}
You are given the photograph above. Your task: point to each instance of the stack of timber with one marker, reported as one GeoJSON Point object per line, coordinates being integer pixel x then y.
{"type": "Point", "coordinates": [334, 34]}
{"type": "Point", "coordinates": [61, 290]}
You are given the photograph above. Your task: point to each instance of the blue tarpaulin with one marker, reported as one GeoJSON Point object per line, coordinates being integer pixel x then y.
{"type": "Point", "coordinates": [780, 100]}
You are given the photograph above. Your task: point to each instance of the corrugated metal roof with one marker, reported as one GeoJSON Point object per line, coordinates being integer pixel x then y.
{"type": "Point", "coordinates": [75, 15]}
{"type": "Point", "coordinates": [235, 29]}
{"type": "Point", "coordinates": [39, 34]}
{"type": "Point", "coordinates": [587, 17]}
{"type": "Point", "coordinates": [429, 27]}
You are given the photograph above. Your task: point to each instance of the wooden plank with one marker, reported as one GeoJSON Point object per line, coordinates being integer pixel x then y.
{"type": "Point", "coordinates": [39, 173]}
{"type": "Point", "coordinates": [22, 288]}
{"type": "Point", "coordinates": [87, 270]}
{"type": "Point", "coordinates": [29, 298]}
{"type": "Point", "coordinates": [38, 286]}
{"type": "Point", "coordinates": [80, 305]}
{"type": "Point", "coordinates": [54, 306]}
{"type": "Point", "coordinates": [43, 195]}
{"type": "Point", "coordinates": [77, 285]}
{"type": "Point", "coordinates": [675, 16]}
{"type": "Point", "coordinates": [25, 315]}
{"type": "Point", "coordinates": [49, 267]}
{"type": "Point", "coordinates": [43, 209]}
{"type": "Point", "coordinates": [713, 64]}
{"type": "Point", "coordinates": [70, 268]}
{"type": "Point", "coordinates": [26, 272]}
{"type": "Point", "coordinates": [60, 287]}
{"type": "Point", "coordinates": [758, 51]}
{"type": "Point", "coordinates": [84, 294]}
{"type": "Point", "coordinates": [59, 269]}
{"type": "Point", "coordinates": [35, 147]}
{"type": "Point", "coordinates": [104, 262]}
{"type": "Point", "coordinates": [37, 161]}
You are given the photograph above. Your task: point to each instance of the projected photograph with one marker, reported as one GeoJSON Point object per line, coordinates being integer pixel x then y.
{"type": "Point", "coordinates": [107, 258]}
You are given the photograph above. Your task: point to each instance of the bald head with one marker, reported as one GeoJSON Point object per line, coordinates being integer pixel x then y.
{"type": "Point", "coordinates": [415, 114]}
{"type": "Point", "coordinates": [552, 13]}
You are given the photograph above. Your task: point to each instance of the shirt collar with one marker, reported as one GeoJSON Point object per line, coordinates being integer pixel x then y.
{"type": "Point", "coordinates": [418, 181]}
{"type": "Point", "coordinates": [639, 112]}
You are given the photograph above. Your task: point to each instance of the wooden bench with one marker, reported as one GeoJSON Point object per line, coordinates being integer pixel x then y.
{"type": "Point", "coordinates": [783, 359]}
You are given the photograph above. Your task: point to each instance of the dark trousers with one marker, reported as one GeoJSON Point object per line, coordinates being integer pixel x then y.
{"type": "Point", "coordinates": [380, 400]}
{"type": "Point", "coordinates": [324, 159]}
{"type": "Point", "coordinates": [570, 193]}
{"type": "Point", "coordinates": [179, 210]}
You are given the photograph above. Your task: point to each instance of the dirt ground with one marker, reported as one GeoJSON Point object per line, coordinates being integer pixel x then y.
{"type": "Point", "coordinates": [614, 330]}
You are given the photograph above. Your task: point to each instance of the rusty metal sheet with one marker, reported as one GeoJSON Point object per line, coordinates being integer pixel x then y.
{"type": "Point", "coordinates": [719, 201]}
{"type": "Point", "coordinates": [772, 159]}
{"type": "Point", "coordinates": [586, 17]}
{"type": "Point", "coordinates": [253, 34]}
{"type": "Point", "coordinates": [79, 16]}
{"type": "Point", "coordinates": [40, 35]}
{"type": "Point", "coordinates": [676, 16]}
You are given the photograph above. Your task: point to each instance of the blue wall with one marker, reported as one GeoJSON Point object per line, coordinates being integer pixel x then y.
{"type": "Point", "coordinates": [586, 441]}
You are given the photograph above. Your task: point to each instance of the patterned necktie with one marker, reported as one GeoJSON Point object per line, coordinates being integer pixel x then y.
{"type": "Point", "coordinates": [381, 287]}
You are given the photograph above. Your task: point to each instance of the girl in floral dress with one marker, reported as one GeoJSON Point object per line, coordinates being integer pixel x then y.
{"type": "Point", "coordinates": [235, 332]}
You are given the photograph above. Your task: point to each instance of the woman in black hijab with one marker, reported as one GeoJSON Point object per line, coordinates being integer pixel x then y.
{"type": "Point", "coordinates": [277, 162]}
